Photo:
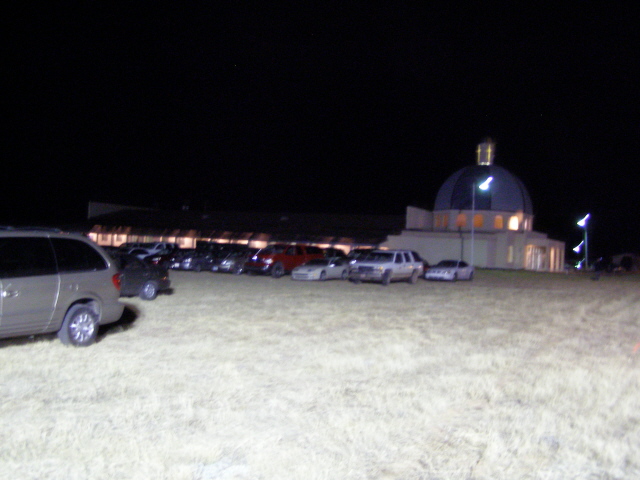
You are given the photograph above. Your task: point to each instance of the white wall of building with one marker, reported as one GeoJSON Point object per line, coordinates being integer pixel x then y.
{"type": "Point", "coordinates": [492, 248]}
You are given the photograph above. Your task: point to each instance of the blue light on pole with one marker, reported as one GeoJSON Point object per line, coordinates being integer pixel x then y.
{"type": "Point", "coordinates": [483, 186]}
{"type": "Point", "coordinates": [577, 249]}
{"type": "Point", "coordinates": [583, 224]}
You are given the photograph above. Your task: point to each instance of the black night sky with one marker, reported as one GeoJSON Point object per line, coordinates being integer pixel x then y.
{"type": "Point", "coordinates": [331, 109]}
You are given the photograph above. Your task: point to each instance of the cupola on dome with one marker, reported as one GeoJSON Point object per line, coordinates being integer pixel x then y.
{"type": "Point", "coordinates": [506, 192]}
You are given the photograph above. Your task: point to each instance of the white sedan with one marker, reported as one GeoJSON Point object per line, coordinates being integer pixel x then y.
{"type": "Point", "coordinates": [322, 269]}
{"type": "Point", "coordinates": [450, 270]}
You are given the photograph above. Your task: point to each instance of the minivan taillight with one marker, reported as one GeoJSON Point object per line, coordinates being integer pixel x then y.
{"type": "Point", "coordinates": [117, 281]}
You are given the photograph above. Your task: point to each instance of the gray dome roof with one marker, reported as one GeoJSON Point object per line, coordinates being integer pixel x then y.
{"type": "Point", "coordinates": [506, 192]}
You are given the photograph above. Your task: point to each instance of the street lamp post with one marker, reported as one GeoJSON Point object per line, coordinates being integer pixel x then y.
{"type": "Point", "coordinates": [483, 186]}
{"type": "Point", "coordinates": [583, 224]}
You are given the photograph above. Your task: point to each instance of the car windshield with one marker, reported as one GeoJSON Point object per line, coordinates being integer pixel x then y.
{"type": "Point", "coordinates": [358, 253]}
{"type": "Point", "coordinates": [318, 261]}
{"type": "Point", "coordinates": [272, 249]}
{"type": "Point", "coordinates": [447, 263]}
{"type": "Point", "coordinates": [378, 257]}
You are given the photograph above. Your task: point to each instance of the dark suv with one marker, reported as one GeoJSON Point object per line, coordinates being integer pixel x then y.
{"type": "Point", "coordinates": [56, 282]}
{"type": "Point", "coordinates": [279, 259]}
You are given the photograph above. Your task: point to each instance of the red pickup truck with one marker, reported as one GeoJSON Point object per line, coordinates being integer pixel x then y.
{"type": "Point", "coordinates": [278, 259]}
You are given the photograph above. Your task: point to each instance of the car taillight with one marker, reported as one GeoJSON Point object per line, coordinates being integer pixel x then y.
{"type": "Point", "coordinates": [117, 281]}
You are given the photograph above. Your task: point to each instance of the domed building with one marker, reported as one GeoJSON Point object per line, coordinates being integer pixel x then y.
{"type": "Point", "coordinates": [482, 214]}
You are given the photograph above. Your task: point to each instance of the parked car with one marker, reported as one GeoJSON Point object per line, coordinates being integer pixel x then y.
{"type": "Point", "coordinates": [322, 269]}
{"type": "Point", "coordinates": [56, 282]}
{"type": "Point", "coordinates": [152, 247]}
{"type": "Point", "coordinates": [157, 247]}
{"type": "Point", "coordinates": [141, 279]}
{"type": "Point", "coordinates": [278, 259]}
{"type": "Point", "coordinates": [130, 245]}
{"type": "Point", "coordinates": [450, 270]}
{"type": "Point", "coordinates": [189, 259]}
{"type": "Point", "coordinates": [176, 258]}
{"type": "Point", "coordinates": [386, 266]}
{"type": "Point", "coordinates": [206, 246]}
{"type": "Point", "coordinates": [138, 252]}
{"type": "Point", "coordinates": [163, 258]}
{"type": "Point", "coordinates": [233, 261]}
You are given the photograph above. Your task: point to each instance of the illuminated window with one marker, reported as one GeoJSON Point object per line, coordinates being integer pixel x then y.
{"type": "Point", "coordinates": [510, 254]}
{"type": "Point", "coordinates": [461, 220]}
{"type": "Point", "coordinates": [514, 223]}
{"type": "Point", "coordinates": [445, 220]}
{"type": "Point", "coordinates": [478, 220]}
{"type": "Point", "coordinates": [498, 222]}
{"type": "Point", "coordinates": [437, 221]}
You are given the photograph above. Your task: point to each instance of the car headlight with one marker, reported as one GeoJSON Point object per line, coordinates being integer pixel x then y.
{"type": "Point", "coordinates": [268, 261]}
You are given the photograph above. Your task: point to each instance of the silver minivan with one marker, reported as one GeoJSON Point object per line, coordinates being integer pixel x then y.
{"type": "Point", "coordinates": [56, 282]}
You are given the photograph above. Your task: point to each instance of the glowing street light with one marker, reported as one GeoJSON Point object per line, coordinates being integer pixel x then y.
{"type": "Point", "coordinates": [583, 224]}
{"type": "Point", "coordinates": [483, 186]}
{"type": "Point", "coordinates": [578, 247]}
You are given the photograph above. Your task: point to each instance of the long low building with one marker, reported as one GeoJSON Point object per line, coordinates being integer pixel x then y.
{"type": "Point", "coordinates": [113, 225]}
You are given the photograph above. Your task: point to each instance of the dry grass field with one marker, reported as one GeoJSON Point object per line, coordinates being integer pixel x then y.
{"type": "Point", "coordinates": [512, 376]}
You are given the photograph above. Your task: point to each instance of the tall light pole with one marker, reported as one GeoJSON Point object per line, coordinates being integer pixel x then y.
{"type": "Point", "coordinates": [483, 186]}
{"type": "Point", "coordinates": [583, 224]}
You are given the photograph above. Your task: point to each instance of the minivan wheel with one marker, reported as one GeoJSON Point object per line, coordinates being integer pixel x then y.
{"type": "Point", "coordinates": [79, 327]}
{"type": "Point", "coordinates": [149, 291]}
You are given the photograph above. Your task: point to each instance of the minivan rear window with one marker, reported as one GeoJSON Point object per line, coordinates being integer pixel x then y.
{"type": "Point", "coordinates": [77, 256]}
